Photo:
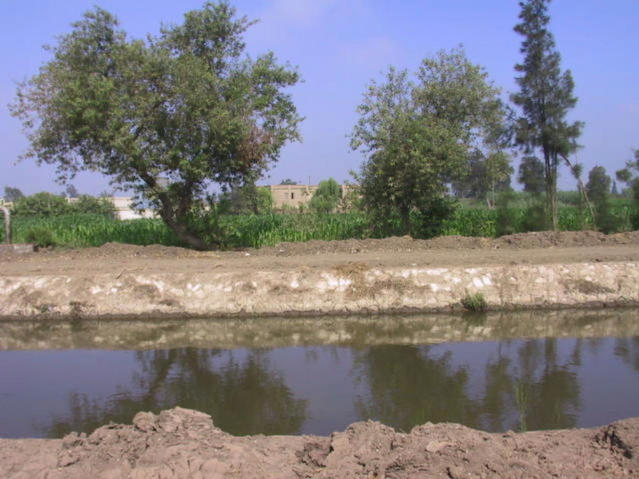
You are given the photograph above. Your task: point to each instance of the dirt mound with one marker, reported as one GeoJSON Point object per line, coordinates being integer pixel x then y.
{"type": "Point", "coordinates": [542, 239]}
{"type": "Point", "coordinates": [184, 443]}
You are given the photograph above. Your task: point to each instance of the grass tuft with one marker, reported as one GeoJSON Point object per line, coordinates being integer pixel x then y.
{"type": "Point", "coordinates": [475, 303]}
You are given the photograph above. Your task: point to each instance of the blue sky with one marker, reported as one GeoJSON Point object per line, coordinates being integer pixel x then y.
{"type": "Point", "coordinates": [339, 46]}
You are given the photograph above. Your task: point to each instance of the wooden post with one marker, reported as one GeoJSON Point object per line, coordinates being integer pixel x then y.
{"type": "Point", "coordinates": [7, 224]}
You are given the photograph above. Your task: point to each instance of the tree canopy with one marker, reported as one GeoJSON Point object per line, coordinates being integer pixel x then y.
{"type": "Point", "coordinates": [545, 96]}
{"type": "Point", "coordinates": [166, 117]}
{"type": "Point", "coordinates": [419, 135]}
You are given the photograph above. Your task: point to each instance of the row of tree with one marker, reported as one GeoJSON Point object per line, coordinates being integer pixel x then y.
{"type": "Point", "coordinates": [170, 116]}
{"type": "Point", "coordinates": [445, 129]}
{"type": "Point", "coordinates": [45, 204]}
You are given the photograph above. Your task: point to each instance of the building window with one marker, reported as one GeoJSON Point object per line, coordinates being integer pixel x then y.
{"type": "Point", "coordinates": [292, 196]}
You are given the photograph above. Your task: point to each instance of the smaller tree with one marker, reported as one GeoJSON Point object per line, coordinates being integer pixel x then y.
{"type": "Point", "coordinates": [419, 136]}
{"type": "Point", "coordinates": [288, 181]}
{"type": "Point", "coordinates": [12, 195]}
{"type": "Point", "coordinates": [487, 175]}
{"type": "Point", "coordinates": [327, 197]}
{"type": "Point", "coordinates": [598, 185]}
{"type": "Point", "coordinates": [71, 191]}
{"type": "Point", "coordinates": [598, 188]}
{"type": "Point", "coordinates": [614, 190]}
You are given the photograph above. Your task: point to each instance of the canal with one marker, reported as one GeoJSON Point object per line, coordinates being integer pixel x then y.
{"type": "Point", "coordinates": [496, 372]}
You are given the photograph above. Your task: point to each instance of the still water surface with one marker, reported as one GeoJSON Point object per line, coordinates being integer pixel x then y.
{"type": "Point", "coordinates": [297, 388]}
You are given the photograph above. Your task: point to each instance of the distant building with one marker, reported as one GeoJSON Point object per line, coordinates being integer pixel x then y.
{"type": "Point", "coordinates": [124, 209]}
{"type": "Point", "coordinates": [296, 195]}
{"type": "Point", "coordinates": [291, 195]}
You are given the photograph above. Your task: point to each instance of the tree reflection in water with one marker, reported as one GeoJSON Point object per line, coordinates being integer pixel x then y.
{"type": "Point", "coordinates": [628, 350]}
{"type": "Point", "coordinates": [526, 386]}
{"type": "Point", "coordinates": [408, 387]}
{"type": "Point", "coordinates": [243, 396]}
{"type": "Point", "coordinates": [517, 384]}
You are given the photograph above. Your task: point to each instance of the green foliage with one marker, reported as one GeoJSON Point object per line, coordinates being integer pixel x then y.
{"type": "Point", "coordinates": [419, 136]}
{"type": "Point", "coordinates": [630, 176]}
{"type": "Point", "coordinates": [535, 218]}
{"type": "Point", "coordinates": [327, 197]}
{"type": "Point", "coordinates": [240, 231]}
{"type": "Point", "coordinates": [486, 176]}
{"type": "Point", "coordinates": [41, 236]}
{"type": "Point", "coordinates": [86, 204]}
{"type": "Point", "coordinates": [246, 199]}
{"type": "Point", "coordinates": [598, 189]}
{"type": "Point", "coordinates": [165, 117]}
{"type": "Point", "coordinates": [531, 174]}
{"type": "Point", "coordinates": [474, 303]}
{"type": "Point", "coordinates": [505, 221]}
{"type": "Point", "coordinates": [545, 96]}
{"type": "Point", "coordinates": [41, 204]}
{"type": "Point", "coordinates": [48, 204]}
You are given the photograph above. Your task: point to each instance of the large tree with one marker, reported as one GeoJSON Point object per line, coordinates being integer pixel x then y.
{"type": "Point", "coordinates": [420, 135]}
{"type": "Point", "coordinates": [545, 96]}
{"type": "Point", "coordinates": [165, 117]}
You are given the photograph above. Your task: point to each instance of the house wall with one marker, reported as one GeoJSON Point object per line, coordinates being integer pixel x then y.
{"type": "Point", "coordinates": [291, 195]}
{"type": "Point", "coordinates": [296, 195]}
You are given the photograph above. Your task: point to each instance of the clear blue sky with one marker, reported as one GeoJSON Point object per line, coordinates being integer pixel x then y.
{"type": "Point", "coordinates": [339, 46]}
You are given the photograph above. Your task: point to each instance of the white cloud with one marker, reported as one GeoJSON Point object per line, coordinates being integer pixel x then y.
{"type": "Point", "coordinates": [281, 20]}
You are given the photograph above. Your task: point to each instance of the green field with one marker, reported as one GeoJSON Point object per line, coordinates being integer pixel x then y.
{"type": "Point", "coordinates": [267, 230]}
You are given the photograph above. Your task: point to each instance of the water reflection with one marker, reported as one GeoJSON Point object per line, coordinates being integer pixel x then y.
{"type": "Point", "coordinates": [244, 395]}
{"type": "Point", "coordinates": [362, 370]}
{"type": "Point", "coordinates": [409, 385]}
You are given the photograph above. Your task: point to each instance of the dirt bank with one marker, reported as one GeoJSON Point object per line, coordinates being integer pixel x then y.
{"type": "Point", "coordinates": [340, 277]}
{"type": "Point", "coordinates": [181, 443]}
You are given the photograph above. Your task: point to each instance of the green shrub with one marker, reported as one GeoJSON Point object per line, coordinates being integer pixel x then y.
{"type": "Point", "coordinates": [475, 303]}
{"type": "Point", "coordinates": [40, 236]}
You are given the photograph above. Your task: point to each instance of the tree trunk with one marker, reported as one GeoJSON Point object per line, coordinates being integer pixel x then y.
{"type": "Point", "coordinates": [405, 215]}
{"type": "Point", "coordinates": [7, 224]}
{"type": "Point", "coordinates": [167, 213]}
{"type": "Point", "coordinates": [551, 191]}
{"type": "Point", "coordinates": [182, 232]}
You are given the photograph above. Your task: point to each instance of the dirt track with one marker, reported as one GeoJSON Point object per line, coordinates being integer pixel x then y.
{"type": "Point", "coordinates": [529, 248]}
{"type": "Point", "coordinates": [181, 443]}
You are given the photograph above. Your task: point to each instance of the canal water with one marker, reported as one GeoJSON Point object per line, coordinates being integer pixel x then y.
{"type": "Point", "coordinates": [515, 371]}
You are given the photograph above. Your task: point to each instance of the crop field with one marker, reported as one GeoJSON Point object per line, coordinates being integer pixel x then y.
{"type": "Point", "coordinates": [240, 231]}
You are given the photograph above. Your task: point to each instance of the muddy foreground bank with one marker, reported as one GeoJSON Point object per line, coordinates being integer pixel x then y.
{"type": "Point", "coordinates": [181, 443]}
{"type": "Point", "coordinates": [536, 270]}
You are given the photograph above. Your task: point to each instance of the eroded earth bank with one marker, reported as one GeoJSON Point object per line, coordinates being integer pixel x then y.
{"type": "Point", "coordinates": [181, 443]}
{"type": "Point", "coordinates": [535, 270]}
